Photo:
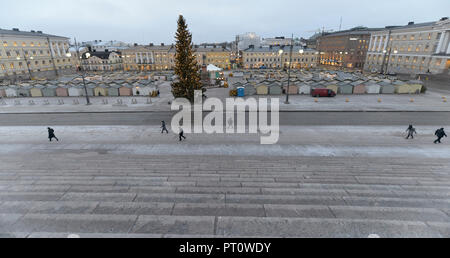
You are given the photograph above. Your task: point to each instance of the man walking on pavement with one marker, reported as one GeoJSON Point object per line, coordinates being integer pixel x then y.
{"type": "Point", "coordinates": [440, 133]}
{"type": "Point", "coordinates": [181, 134]}
{"type": "Point", "coordinates": [163, 126]}
{"type": "Point", "coordinates": [51, 134]}
{"type": "Point", "coordinates": [411, 131]}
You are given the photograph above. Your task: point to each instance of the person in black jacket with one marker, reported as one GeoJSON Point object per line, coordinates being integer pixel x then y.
{"type": "Point", "coordinates": [163, 126]}
{"type": "Point", "coordinates": [411, 131]}
{"type": "Point", "coordinates": [181, 134]}
{"type": "Point", "coordinates": [440, 133]}
{"type": "Point", "coordinates": [51, 134]}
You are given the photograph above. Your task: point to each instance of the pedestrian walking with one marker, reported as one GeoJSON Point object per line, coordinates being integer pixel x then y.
{"type": "Point", "coordinates": [230, 123]}
{"type": "Point", "coordinates": [51, 134]}
{"type": "Point", "coordinates": [411, 131]}
{"type": "Point", "coordinates": [163, 126]}
{"type": "Point", "coordinates": [181, 134]}
{"type": "Point", "coordinates": [440, 133]}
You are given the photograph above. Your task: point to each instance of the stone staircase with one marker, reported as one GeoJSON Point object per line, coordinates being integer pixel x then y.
{"type": "Point", "coordinates": [106, 195]}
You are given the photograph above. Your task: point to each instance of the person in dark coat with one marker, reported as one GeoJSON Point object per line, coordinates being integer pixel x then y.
{"type": "Point", "coordinates": [440, 133]}
{"type": "Point", "coordinates": [181, 134]}
{"type": "Point", "coordinates": [411, 131]}
{"type": "Point", "coordinates": [51, 134]}
{"type": "Point", "coordinates": [163, 126]}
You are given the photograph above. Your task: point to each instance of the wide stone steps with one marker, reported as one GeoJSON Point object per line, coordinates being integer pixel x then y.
{"type": "Point", "coordinates": [147, 196]}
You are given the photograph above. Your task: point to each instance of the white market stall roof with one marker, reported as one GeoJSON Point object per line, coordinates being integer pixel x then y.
{"type": "Point", "coordinates": [213, 68]}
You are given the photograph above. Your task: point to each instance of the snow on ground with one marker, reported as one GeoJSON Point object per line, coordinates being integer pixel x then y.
{"type": "Point", "coordinates": [346, 141]}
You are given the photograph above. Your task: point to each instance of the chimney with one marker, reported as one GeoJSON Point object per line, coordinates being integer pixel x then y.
{"type": "Point", "coordinates": [15, 29]}
{"type": "Point", "coordinates": [411, 23]}
{"type": "Point", "coordinates": [151, 44]}
{"type": "Point", "coordinates": [39, 31]}
{"type": "Point", "coordinates": [135, 44]}
{"type": "Point", "coordinates": [33, 31]}
{"type": "Point", "coordinates": [443, 19]}
{"type": "Point", "coordinates": [162, 44]}
{"type": "Point", "coordinates": [106, 50]}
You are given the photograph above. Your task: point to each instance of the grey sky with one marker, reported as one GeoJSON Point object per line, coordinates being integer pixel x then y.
{"type": "Point", "coordinates": [145, 21]}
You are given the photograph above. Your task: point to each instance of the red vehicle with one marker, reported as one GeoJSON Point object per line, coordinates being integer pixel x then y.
{"type": "Point", "coordinates": [322, 92]}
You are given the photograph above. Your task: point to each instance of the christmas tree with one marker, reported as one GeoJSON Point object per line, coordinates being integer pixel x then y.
{"type": "Point", "coordinates": [186, 67]}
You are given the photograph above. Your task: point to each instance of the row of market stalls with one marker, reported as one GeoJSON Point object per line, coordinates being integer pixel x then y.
{"type": "Point", "coordinates": [302, 82]}
{"type": "Point", "coordinates": [74, 89]}
{"type": "Point", "coordinates": [277, 88]}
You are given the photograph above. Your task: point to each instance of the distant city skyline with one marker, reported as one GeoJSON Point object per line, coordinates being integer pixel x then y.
{"type": "Point", "coordinates": [145, 22]}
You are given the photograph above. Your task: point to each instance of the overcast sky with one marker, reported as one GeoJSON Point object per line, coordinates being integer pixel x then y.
{"type": "Point", "coordinates": [154, 21]}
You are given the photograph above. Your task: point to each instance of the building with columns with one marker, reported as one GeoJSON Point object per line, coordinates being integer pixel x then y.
{"type": "Point", "coordinates": [411, 49]}
{"type": "Point", "coordinates": [33, 54]}
{"type": "Point", "coordinates": [149, 58]}
{"type": "Point", "coordinates": [278, 57]}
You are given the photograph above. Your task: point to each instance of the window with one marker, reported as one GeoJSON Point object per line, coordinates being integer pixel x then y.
{"type": "Point", "coordinates": [415, 60]}
{"type": "Point", "coordinates": [423, 60]}
{"type": "Point", "coordinates": [11, 65]}
{"type": "Point", "coordinates": [24, 44]}
{"type": "Point", "coordinates": [409, 48]}
{"type": "Point", "coordinates": [8, 53]}
{"type": "Point", "coordinates": [5, 44]}
{"type": "Point", "coordinates": [438, 37]}
{"type": "Point", "coordinates": [429, 35]}
{"type": "Point", "coordinates": [15, 44]}
{"type": "Point", "coordinates": [3, 67]}
{"type": "Point", "coordinates": [412, 37]}
{"type": "Point", "coordinates": [438, 62]}
{"type": "Point", "coordinates": [418, 48]}
{"type": "Point", "coordinates": [32, 44]}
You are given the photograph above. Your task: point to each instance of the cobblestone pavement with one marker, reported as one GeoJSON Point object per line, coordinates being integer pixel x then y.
{"type": "Point", "coordinates": [82, 186]}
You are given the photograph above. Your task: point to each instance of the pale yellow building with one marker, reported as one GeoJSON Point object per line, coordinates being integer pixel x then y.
{"type": "Point", "coordinates": [279, 57]}
{"type": "Point", "coordinates": [33, 54]}
{"type": "Point", "coordinates": [411, 49]}
{"type": "Point", "coordinates": [216, 55]}
{"type": "Point", "coordinates": [149, 58]}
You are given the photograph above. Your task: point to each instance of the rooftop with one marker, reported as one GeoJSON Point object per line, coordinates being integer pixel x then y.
{"type": "Point", "coordinates": [17, 32]}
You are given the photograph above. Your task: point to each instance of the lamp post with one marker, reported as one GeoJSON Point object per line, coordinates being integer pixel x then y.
{"type": "Point", "coordinates": [26, 62]}
{"type": "Point", "coordinates": [289, 69]}
{"type": "Point", "coordinates": [82, 71]}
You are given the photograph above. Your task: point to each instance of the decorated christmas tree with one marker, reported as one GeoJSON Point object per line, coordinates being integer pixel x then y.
{"type": "Point", "coordinates": [186, 67]}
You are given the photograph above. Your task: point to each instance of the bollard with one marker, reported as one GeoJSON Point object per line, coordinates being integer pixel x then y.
{"type": "Point", "coordinates": [17, 102]}
{"type": "Point", "coordinates": [149, 101]}
{"type": "Point", "coordinates": [60, 102]}
{"type": "Point", "coordinates": [134, 101]}
{"type": "Point", "coordinates": [31, 102]}
{"type": "Point", "coordinates": [104, 101]}
{"type": "Point", "coordinates": [75, 102]}
{"type": "Point", "coordinates": [46, 102]}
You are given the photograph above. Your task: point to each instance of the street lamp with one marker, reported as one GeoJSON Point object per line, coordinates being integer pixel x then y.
{"type": "Point", "coordinates": [289, 69]}
{"type": "Point", "coordinates": [82, 71]}
{"type": "Point", "coordinates": [280, 53]}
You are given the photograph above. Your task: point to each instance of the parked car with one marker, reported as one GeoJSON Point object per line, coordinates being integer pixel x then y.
{"type": "Point", "coordinates": [322, 92]}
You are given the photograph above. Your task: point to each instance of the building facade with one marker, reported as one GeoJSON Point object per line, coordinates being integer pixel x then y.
{"type": "Point", "coordinates": [33, 54]}
{"type": "Point", "coordinates": [411, 49]}
{"type": "Point", "coordinates": [105, 61]}
{"type": "Point", "coordinates": [344, 49]}
{"type": "Point", "coordinates": [278, 57]}
{"type": "Point", "coordinates": [244, 41]}
{"type": "Point", "coordinates": [162, 57]}
{"type": "Point", "coordinates": [213, 54]}
{"type": "Point", "coordinates": [149, 58]}
{"type": "Point", "coordinates": [277, 41]}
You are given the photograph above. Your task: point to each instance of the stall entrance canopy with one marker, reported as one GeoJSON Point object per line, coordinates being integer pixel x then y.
{"type": "Point", "coordinates": [213, 68]}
